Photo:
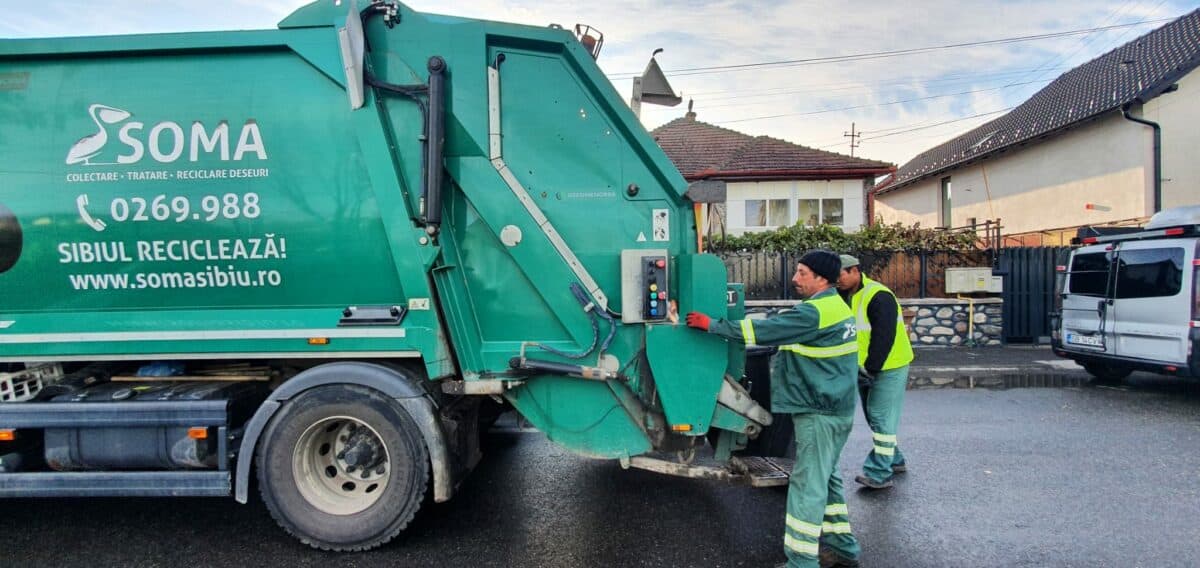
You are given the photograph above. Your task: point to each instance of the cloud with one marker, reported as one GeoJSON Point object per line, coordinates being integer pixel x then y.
{"type": "Point", "coordinates": [732, 32]}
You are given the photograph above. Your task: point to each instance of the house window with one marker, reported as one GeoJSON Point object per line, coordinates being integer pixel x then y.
{"type": "Point", "coordinates": [945, 209]}
{"type": "Point", "coordinates": [831, 211]}
{"type": "Point", "coordinates": [767, 213]}
{"type": "Point", "coordinates": [808, 211]}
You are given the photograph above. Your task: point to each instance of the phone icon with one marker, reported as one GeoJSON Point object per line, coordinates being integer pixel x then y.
{"type": "Point", "coordinates": [82, 202]}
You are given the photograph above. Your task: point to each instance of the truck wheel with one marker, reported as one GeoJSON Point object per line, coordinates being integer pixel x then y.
{"type": "Point", "coordinates": [1107, 374]}
{"type": "Point", "coordinates": [342, 468]}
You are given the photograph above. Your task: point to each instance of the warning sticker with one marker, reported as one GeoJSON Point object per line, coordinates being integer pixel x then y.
{"type": "Point", "coordinates": [661, 223]}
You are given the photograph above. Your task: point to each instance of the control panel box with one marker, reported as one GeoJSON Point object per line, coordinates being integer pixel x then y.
{"type": "Point", "coordinates": [971, 280]}
{"type": "Point", "coordinates": [644, 285]}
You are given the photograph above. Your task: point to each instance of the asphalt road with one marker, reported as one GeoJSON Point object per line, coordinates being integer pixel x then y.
{"type": "Point", "coordinates": [1074, 476]}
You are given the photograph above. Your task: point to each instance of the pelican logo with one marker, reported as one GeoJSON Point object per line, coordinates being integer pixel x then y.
{"type": "Point", "coordinates": [166, 141]}
{"type": "Point", "coordinates": [89, 146]}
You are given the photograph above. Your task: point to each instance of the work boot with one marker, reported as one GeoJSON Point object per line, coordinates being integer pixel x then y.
{"type": "Point", "coordinates": [872, 484]}
{"type": "Point", "coordinates": [830, 558]}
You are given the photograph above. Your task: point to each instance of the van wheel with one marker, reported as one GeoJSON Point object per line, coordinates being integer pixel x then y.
{"type": "Point", "coordinates": [1107, 374]}
{"type": "Point", "coordinates": [343, 468]}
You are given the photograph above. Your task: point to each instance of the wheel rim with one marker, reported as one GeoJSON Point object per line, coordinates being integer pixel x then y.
{"type": "Point", "coordinates": [341, 465]}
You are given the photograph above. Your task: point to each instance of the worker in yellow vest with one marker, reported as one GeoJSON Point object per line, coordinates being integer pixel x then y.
{"type": "Point", "coordinates": [884, 353]}
{"type": "Point", "coordinates": [812, 378]}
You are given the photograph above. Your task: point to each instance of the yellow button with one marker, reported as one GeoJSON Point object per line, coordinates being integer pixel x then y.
{"type": "Point", "coordinates": [654, 287]}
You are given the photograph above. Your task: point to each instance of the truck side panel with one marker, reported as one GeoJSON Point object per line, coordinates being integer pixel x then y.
{"type": "Point", "coordinates": [179, 190]}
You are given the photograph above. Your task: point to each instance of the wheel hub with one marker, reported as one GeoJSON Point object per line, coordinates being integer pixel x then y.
{"type": "Point", "coordinates": [340, 465]}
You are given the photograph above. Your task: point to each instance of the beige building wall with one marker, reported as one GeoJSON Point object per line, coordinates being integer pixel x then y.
{"type": "Point", "coordinates": [1178, 114]}
{"type": "Point", "coordinates": [917, 203]}
{"type": "Point", "coordinates": [1099, 173]}
{"type": "Point", "coordinates": [1094, 174]}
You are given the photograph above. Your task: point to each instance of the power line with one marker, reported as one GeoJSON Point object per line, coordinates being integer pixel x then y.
{"type": "Point", "coordinates": [890, 103]}
{"type": "Point", "coordinates": [938, 124]}
{"type": "Point", "coordinates": [773, 102]}
{"type": "Point", "coordinates": [855, 85]}
{"type": "Point", "coordinates": [1041, 70]}
{"type": "Point", "coordinates": [913, 127]}
{"type": "Point", "coordinates": [891, 53]}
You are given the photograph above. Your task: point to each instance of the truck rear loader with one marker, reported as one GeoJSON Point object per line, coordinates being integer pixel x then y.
{"type": "Point", "coordinates": [325, 255]}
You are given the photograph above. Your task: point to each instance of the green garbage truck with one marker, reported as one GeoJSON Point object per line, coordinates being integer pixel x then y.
{"type": "Point", "coordinates": [325, 256]}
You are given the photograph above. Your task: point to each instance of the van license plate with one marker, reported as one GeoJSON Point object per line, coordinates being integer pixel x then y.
{"type": "Point", "coordinates": [1088, 340]}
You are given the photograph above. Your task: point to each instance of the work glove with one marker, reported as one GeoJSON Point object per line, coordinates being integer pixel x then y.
{"type": "Point", "coordinates": [698, 321]}
{"type": "Point", "coordinates": [865, 378]}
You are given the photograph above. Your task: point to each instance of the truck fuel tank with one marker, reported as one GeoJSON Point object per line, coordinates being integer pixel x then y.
{"type": "Point", "coordinates": [170, 444]}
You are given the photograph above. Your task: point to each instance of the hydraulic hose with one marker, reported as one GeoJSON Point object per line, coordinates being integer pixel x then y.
{"type": "Point", "coordinates": [590, 307]}
{"type": "Point", "coordinates": [430, 99]}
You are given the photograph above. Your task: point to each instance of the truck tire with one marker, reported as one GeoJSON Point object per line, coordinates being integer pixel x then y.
{"type": "Point", "coordinates": [342, 468]}
{"type": "Point", "coordinates": [1106, 374]}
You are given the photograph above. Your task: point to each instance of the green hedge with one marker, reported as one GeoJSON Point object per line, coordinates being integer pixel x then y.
{"type": "Point", "coordinates": [895, 237]}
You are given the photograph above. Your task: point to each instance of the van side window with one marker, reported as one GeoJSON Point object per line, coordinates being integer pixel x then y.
{"type": "Point", "coordinates": [1089, 274]}
{"type": "Point", "coordinates": [1149, 273]}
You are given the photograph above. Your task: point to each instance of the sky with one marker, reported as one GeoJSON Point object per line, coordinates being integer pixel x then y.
{"type": "Point", "coordinates": [902, 104]}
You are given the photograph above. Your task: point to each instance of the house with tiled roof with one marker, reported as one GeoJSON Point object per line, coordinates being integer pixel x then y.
{"type": "Point", "coordinates": [1109, 142]}
{"type": "Point", "coordinates": [771, 183]}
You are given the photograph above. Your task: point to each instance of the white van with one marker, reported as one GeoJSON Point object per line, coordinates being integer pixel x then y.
{"type": "Point", "coordinates": [1130, 299]}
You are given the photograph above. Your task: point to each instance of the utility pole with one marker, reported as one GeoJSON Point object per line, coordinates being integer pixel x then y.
{"type": "Point", "coordinates": [854, 135]}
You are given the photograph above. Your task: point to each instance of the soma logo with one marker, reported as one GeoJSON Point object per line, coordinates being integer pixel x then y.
{"type": "Point", "coordinates": [166, 141]}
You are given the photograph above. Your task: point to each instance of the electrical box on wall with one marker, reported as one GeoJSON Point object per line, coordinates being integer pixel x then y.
{"type": "Point", "coordinates": [644, 283]}
{"type": "Point", "coordinates": [972, 280]}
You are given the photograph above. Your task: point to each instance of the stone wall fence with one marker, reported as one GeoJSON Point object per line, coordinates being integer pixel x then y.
{"type": "Point", "coordinates": [953, 322]}
{"type": "Point", "coordinates": [939, 322]}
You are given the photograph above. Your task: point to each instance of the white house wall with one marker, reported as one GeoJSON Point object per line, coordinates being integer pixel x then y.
{"type": "Point", "coordinates": [1179, 115]}
{"type": "Point", "coordinates": [850, 191]}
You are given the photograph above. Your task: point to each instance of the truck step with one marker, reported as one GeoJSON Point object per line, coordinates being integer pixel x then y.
{"type": "Point", "coordinates": [117, 484]}
{"type": "Point", "coordinates": [751, 470]}
{"type": "Point", "coordinates": [766, 472]}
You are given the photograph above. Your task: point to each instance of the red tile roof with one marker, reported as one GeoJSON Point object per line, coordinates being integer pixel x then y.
{"type": "Point", "coordinates": [704, 151]}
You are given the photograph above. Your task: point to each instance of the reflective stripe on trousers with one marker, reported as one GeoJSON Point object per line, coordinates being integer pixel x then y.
{"type": "Point", "coordinates": [822, 352]}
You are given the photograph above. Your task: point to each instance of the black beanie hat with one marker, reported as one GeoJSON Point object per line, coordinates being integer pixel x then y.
{"type": "Point", "coordinates": [824, 264]}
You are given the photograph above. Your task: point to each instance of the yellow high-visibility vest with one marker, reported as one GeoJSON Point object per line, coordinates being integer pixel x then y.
{"type": "Point", "coordinates": [901, 353]}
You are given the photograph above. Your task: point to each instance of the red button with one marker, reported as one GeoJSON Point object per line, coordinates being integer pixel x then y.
{"type": "Point", "coordinates": [662, 295]}
{"type": "Point", "coordinates": [661, 264]}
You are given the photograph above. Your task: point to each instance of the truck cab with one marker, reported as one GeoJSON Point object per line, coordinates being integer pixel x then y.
{"type": "Point", "coordinates": [1130, 299]}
